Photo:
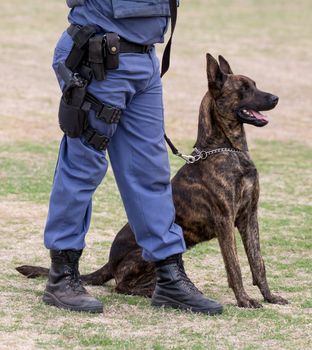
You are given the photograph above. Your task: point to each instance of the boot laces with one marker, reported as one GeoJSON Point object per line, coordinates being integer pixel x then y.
{"type": "Point", "coordinates": [74, 280]}
{"type": "Point", "coordinates": [187, 283]}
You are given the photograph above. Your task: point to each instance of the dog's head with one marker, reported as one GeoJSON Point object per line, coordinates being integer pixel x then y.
{"type": "Point", "coordinates": [236, 96]}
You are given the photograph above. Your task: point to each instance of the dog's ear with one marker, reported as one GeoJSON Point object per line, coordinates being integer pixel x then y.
{"type": "Point", "coordinates": [224, 65]}
{"type": "Point", "coordinates": [216, 77]}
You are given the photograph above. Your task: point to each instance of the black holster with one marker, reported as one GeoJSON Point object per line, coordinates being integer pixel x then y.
{"type": "Point", "coordinates": [89, 58]}
{"type": "Point", "coordinates": [73, 108]}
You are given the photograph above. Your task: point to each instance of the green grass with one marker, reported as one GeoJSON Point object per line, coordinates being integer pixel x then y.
{"type": "Point", "coordinates": [27, 170]}
{"type": "Point", "coordinates": [286, 243]}
{"type": "Point", "coordinates": [268, 41]}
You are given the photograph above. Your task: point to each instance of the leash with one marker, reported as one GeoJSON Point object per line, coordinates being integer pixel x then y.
{"type": "Point", "coordinates": [166, 56]}
{"type": "Point", "coordinates": [199, 154]}
{"type": "Point", "coordinates": [165, 64]}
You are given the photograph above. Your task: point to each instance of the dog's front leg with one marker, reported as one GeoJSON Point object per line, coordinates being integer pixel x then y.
{"type": "Point", "coordinates": [249, 230]}
{"type": "Point", "coordinates": [226, 238]}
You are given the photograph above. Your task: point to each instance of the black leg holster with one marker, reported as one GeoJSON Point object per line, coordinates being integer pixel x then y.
{"type": "Point", "coordinates": [91, 56]}
{"type": "Point", "coordinates": [73, 110]}
{"type": "Point", "coordinates": [88, 59]}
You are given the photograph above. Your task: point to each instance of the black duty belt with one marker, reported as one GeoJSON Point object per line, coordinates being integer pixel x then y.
{"type": "Point", "coordinates": [125, 45]}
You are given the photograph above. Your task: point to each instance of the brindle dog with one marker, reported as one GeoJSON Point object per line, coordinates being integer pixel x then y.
{"type": "Point", "coordinates": [211, 196]}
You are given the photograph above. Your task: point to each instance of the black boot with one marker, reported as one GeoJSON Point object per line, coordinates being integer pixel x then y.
{"type": "Point", "coordinates": [64, 288]}
{"type": "Point", "coordinates": [174, 289]}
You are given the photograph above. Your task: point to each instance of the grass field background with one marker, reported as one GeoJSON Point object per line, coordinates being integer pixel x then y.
{"type": "Point", "coordinates": [268, 41]}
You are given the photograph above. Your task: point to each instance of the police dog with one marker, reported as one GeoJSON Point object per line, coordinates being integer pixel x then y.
{"type": "Point", "coordinates": [212, 197]}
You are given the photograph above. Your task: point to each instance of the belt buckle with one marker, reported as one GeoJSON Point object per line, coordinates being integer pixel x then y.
{"type": "Point", "coordinates": [109, 114]}
{"type": "Point", "coordinates": [99, 142]}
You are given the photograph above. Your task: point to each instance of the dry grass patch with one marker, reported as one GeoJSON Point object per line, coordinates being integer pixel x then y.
{"type": "Point", "coordinates": [271, 43]}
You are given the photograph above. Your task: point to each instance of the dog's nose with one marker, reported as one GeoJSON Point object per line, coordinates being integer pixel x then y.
{"type": "Point", "coordinates": [274, 99]}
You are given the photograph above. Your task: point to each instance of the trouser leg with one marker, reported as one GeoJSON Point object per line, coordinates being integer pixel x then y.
{"type": "Point", "coordinates": [140, 163]}
{"type": "Point", "coordinates": [80, 169]}
{"type": "Point", "coordinates": [139, 158]}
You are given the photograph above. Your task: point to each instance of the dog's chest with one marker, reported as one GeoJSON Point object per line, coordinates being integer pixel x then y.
{"type": "Point", "coordinates": [231, 183]}
{"type": "Point", "coordinates": [212, 190]}
{"type": "Point", "coordinates": [247, 184]}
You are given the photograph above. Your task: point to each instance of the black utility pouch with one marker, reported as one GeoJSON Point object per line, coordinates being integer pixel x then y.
{"type": "Point", "coordinates": [112, 50]}
{"type": "Point", "coordinates": [96, 57]}
{"type": "Point", "coordinates": [72, 119]}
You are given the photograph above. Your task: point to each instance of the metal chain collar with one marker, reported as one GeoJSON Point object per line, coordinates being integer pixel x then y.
{"type": "Point", "coordinates": [202, 155]}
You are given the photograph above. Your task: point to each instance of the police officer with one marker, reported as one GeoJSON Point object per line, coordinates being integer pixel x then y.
{"type": "Point", "coordinates": [137, 151]}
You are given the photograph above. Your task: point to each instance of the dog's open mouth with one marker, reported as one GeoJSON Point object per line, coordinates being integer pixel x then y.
{"type": "Point", "coordinates": [253, 117]}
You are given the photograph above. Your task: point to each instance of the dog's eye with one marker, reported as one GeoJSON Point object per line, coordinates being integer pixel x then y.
{"type": "Point", "coordinates": [245, 87]}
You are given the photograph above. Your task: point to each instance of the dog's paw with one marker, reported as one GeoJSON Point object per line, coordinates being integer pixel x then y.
{"type": "Point", "coordinates": [276, 299]}
{"type": "Point", "coordinates": [249, 303]}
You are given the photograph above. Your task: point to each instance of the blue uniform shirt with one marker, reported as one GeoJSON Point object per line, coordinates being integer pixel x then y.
{"type": "Point", "coordinates": [141, 30]}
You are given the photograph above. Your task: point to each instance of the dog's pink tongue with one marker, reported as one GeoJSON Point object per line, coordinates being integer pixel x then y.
{"type": "Point", "coordinates": [259, 115]}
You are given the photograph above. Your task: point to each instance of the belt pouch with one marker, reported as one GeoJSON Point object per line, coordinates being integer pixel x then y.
{"type": "Point", "coordinates": [96, 57]}
{"type": "Point", "coordinates": [112, 51]}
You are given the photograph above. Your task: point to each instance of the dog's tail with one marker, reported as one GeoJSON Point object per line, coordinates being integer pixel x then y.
{"type": "Point", "coordinates": [33, 271]}
{"type": "Point", "coordinates": [96, 278]}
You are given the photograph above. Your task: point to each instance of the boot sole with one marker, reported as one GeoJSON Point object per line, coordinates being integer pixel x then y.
{"type": "Point", "coordinates": [173, 304]}
{"type": "Point", "coordinates": [50, 299]}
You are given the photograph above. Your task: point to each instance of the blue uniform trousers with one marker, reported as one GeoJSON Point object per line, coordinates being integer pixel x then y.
{"type": "Point", "coordinates": [138, 157]}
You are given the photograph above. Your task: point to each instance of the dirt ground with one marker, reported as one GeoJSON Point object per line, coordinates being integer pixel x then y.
{"type": "Point", "coordinates": [267, 41]}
